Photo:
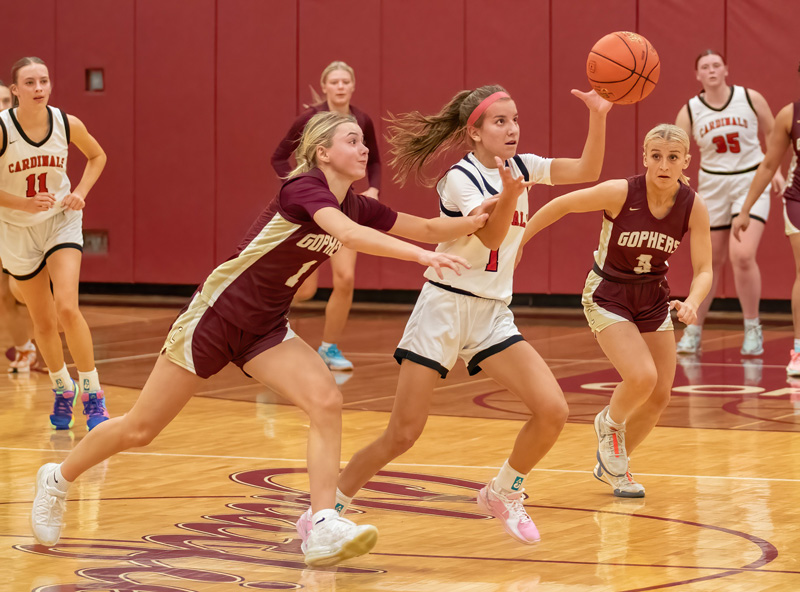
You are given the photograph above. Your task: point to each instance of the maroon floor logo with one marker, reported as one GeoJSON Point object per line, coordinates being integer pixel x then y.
{"type": "Point", "coordinates": [255, 533]}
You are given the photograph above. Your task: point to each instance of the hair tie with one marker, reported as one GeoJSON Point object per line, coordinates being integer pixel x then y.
{"type": "Point", "coordinates": [484, 105]}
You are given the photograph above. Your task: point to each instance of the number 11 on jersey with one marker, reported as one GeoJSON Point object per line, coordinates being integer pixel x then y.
{"type": "Point", "coordinates": [31, 179]}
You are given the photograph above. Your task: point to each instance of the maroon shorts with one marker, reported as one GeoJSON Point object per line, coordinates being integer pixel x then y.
{"type": "Point", "coordinates": [791, 216]}
{"type": "Point", "coordinates": [606, 302]}
{"type": "Point", "coordinates": [203, 342]}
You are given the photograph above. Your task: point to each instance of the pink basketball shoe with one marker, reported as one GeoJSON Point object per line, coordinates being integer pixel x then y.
{"type": "Point", "coordinates": [510, 511]}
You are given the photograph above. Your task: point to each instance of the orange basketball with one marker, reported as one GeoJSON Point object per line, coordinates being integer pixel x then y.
{"type": "Point", "coordinates": [623, 67]}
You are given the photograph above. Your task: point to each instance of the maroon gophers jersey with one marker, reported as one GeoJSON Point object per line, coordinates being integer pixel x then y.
{"type": "Point", "coordinates": [634, 246]}
{"type": "Point", "coordinates": [793, 178]}
{"type": "Point", "coordinates": [254, 288]}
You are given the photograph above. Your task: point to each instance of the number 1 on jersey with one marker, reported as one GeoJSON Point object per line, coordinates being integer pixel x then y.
{"type": "Point", "coordinates": [31, 179]}
{"type": "Point", "coordinates": [292, 281]}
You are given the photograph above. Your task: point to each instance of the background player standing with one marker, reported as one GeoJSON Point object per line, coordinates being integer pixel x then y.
{"type": "Point", "coordinates": [725, 122]}
{"type": "Point", "coordinates": [41, 234]}
{"type": "Point", "coordinates": [338, 83]}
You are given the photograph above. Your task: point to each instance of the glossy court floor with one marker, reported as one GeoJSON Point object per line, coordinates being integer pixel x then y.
{"type": "Point", "coordinates": [211, 504]}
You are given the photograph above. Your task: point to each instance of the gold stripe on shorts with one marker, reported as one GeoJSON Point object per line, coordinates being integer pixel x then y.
{"type": "Point", "coordinates": [178, 345]}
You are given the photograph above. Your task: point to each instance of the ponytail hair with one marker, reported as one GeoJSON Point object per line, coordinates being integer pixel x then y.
{"type": "Point", "coordinates": [669, 133]}
{"type": "Point", "coordinates": [319, 131]}
{"type": "Point", "coordinates": [416, 138]}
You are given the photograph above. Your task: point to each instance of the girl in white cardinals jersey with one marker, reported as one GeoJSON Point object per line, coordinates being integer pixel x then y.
{"type": "Point", "coordinates": [725, 121]}
{"type": "Point", "coordinates": [467, 316]}
{"type": "Point", "coordinates": [41, 237]}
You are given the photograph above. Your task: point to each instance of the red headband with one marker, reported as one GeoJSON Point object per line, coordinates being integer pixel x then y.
{"type": "Point", "coordinates": [484, 105]}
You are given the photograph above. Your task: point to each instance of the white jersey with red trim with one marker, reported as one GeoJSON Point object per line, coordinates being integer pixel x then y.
{"type": "Point", "coordinates": [727, 136]}
{"type": "Point", "coordinates": [28, 167]}
{"type": "Point", "coordinates": [463, 188]}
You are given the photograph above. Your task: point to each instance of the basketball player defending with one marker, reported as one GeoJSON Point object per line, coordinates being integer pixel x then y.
{"type": "Point", "coordinates": [626, 296]}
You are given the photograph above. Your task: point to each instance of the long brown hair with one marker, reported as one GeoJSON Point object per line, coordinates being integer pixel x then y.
{"type": "Point", "coordinates": [416, 138]}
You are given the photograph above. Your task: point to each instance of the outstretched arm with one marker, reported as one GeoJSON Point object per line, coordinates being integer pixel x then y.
{"type": "Point", "coordinates": [777, 144]}
{"type": "Point", "coordinates": [609, 196]}
{"type": "Point", "coordinates": [701, 263]}
{"type": "Point", "coordinates": [587, 168]}
{"type": "Point", "coordinates": [436, 230]}
{"type": "Point", "coordinates": [368, 240]}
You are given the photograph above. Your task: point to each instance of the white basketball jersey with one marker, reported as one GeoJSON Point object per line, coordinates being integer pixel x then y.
{"type": "Point", "coordinates": [28, 168]}
{"type": "Point", "coordinates": [463, 188]}
{"type": "Point", "coordinates": [728, 136]}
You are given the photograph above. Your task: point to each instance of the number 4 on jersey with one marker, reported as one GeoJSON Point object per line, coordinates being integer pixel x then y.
{"type": "Point", "coordinates": [31, 179]}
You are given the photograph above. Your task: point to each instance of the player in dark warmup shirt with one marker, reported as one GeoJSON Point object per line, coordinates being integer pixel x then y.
{"type": "Point", "coordinates": [338, 84]}
{"type": "Point", "coordinates": [239, 315]}
{"type": "Point", "coordinates": [626, 297]}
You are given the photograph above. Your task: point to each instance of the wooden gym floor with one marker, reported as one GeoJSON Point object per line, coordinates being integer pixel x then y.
{"type": "Point", "coordinates": [211, 504]}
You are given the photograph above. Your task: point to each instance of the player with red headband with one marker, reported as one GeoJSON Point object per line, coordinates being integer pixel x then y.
{"type": "Point", "coordinates": [467, 316]}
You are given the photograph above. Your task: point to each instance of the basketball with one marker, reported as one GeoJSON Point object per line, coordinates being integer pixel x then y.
{"type": "Point", "coordinates": [623, 67]}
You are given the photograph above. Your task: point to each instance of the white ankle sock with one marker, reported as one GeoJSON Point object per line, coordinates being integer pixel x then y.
{"type": "Point", "coordinates": [57, 481]}
{"type": "Point", "coordinates": [694, 330]}
{"type": "Point", "coordinates": [748, 323]}
{"type": "Point", "coordinates": [508, 480]}
{"type": "Point", "coordinates": [28, 346]}
{"type": "Point", "coordinates": [797, 345]}
{"type": "Point", "coordinates": [90, 381]}
{"type": "Point", "coordinates": [342, 502]}
{"type": "Point", "coordinates": [61, 379]}
{"type": "Point", "coordinates": [615, 424]}
{"type": "Point", "coordinates": [325, 345]}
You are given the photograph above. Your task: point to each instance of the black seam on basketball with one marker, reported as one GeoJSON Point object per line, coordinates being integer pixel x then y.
{"type": "Point", "coordinates": [644, 84]}
{"type": "Point", "coordinates": [621, 66]}
{"type": "Point", "coordinates": [625, 43]}
{"type": "Point", "coordinates": [613, 62]}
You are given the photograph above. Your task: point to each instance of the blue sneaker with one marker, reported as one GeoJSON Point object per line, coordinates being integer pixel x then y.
{"type": "Point", "coordinates": [94, 408]}
{"type": "Point", "coordinates": [61, 418]}
{"type": "Point", "coordinates": [334, 358]}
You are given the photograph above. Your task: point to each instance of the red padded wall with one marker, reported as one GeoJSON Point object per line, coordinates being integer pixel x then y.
{"type": "Point", "coordinates": [106, 34]}
{"type": "Point", "coordinates": [574, 239]}
{"type": "Point", "coordinates": [174, 140]}
{"type": "Point", "coordinates": [255, 99]}
{"type": "Point", "coordinates": [348, 31]}
{"type": "Point", "coordinates": [33, 34]}
{"type": "Point", "coordinates": [422, 61]}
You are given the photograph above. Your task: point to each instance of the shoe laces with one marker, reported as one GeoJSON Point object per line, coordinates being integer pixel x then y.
{"type": "Point", "coordinates": [333, 351]}
{"type": "Point", "coordinates": [62, 404]}
{"type": "Point", "coordinates": [513, 502]}
{"type": "Point", "coordinates": [93, 405]}
{"type": "Point", "coordinates": [607, 440]}
{"type": "Point", "coordinates": [794, 357]}
{"type": "Point", "coordinates": [752, 333]}
{"type": "Point", "coordinates": [51, 508]}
